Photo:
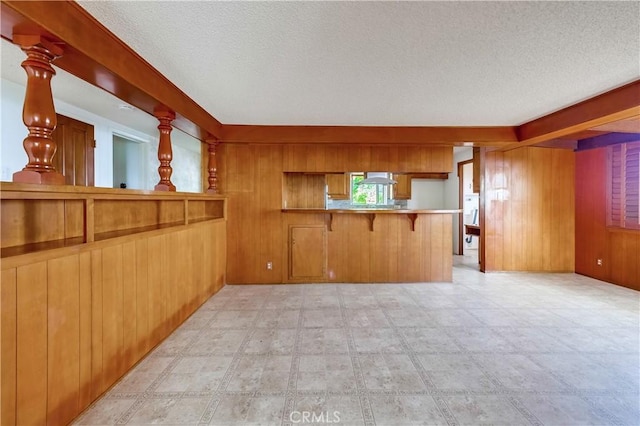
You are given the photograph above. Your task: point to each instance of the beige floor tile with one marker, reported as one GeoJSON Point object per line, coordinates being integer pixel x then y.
{"type": "Point", "coordinates": [510, 348]}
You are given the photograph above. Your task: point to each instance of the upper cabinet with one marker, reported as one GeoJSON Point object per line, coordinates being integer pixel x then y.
{"type": "Point", "coordinates": [338, 186]}
{"type": "Point", "coordinates": [402, 189]}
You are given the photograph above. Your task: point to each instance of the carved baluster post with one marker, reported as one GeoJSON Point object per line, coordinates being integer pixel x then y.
{"type": "Point", "coordinates": [213, 166]}
{"type": "Point", "coordinates": [38, 113]}
{"type": "Point", "coordinates": [165, 153]}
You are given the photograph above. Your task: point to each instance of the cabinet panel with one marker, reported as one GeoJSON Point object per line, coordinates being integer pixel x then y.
{"type": "Point", "coordinates": [338, 186]}
{"type": "Point", "coordinates": [307, 252]}
{"type": "Point", "coordinates": [402, 189]}
{"type": "Point", "coordinates": [303, 191]}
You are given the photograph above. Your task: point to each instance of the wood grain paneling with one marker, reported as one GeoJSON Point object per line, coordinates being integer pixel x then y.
{"type": "Point", "coordinates": [529, 210]}
{"type": "Point", "coordinates": [85, 323]}
{"type": "Point", "coordinates": [367, 158]}
{"type": "Point", "coordinates": [156, 272]}
{"type": "Point", "coordinates": [112, 314]}
{"type": "Point", "coordinates": [8, 342]}
{"type": "Point", "coordinates": [258, 230]}
{"type": "Point", "coordinates": [31, 344]}
{"type": "Point", "coordinates": [19, 217]}
{"type": "Point", "coordinates": [98, 381]}
{"type": "Point", "coordinates": [63, 346]}
{"type": "Point", "coordinates": [389, 253]}
{"type": "Point", "coordinates": [618, 249]}
{"type": "Point", "coordinates": [142, 300]}
{"type": "Point", "coordinates": [129, 299]}
{"type": "Point", "coordinates": [373, 135]}
{"type": "Point", "coordinates": [624, 247]}
{"type": "Point", "coordinates": [76, 321]}
{"type": "Point", "coordinates": [303, 191]}
{"type": "Point", "coordinates": [113, 215]}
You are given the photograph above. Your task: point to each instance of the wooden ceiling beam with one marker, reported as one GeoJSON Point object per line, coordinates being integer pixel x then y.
{"type": "Point", "coordinates": [617, 104]}
{"type": "Point", "coordinates": [451, 136]}
{"type": "Point", "coordinates": [97, 56]}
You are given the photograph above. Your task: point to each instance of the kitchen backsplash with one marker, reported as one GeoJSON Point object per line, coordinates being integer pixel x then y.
{"type": "Point", "coordinates": [346, 204]}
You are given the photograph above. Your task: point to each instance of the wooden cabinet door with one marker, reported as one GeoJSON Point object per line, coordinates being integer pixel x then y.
{"type": "Point", "coordinates": [74, 156]}
{"type": "Point", "coordinates": [307, 252]}
{"type": "Point", "coordinates": [402, 189]}
{"type": "Point", "coordinates": [338, 186]}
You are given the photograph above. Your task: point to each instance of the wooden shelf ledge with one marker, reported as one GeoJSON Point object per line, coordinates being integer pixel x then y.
{"type": "Point", "coordinates": [412, 215]}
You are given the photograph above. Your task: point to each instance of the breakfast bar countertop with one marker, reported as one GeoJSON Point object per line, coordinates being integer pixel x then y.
{"type": "Point", "coordinates": [374, 211]}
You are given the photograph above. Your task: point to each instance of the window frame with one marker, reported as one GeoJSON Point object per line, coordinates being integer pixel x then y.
{"type": "Point", "coordinates": [387, 191]}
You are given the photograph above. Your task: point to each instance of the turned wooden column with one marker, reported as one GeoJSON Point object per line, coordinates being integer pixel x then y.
{"type": "Point", "coordinates": [38, 113]}
{"type": "Point", "coordinates": [165, 153]}
{"type": "Point", "coordinates": [213, 166]}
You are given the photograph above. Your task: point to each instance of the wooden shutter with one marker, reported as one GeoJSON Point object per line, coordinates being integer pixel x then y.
{"type": "Point", "coordinates": [615, 185]}
{"type": "Point", "coordinates": [624, 185]}
{"type": "Point", "coordinates": [632, 186]}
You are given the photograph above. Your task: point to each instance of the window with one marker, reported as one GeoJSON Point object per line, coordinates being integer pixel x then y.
{"type": "Point", "coordinates": [373, 194]}
{"type": "Point", "coordinates": [623, 206]}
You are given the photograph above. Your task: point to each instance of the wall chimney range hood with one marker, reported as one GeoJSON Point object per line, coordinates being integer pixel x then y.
{"type": "Point", "coordinates": [381, 178]}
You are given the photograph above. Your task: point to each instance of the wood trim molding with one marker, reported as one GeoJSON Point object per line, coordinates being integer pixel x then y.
{"type": "Point", "coordinates": [97, 56]}
{"type": "Point", "coordinates": [480, 136]}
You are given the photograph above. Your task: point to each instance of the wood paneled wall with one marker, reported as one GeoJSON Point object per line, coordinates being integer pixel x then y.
{"type": "Point", "coordinates": [366, 158]}
{"type": "Point", "coordinates": [74, 320]}
{"type": "Point", "coordinates": [392, 252]}
{"type": "Point", "coordinates": [529, 210]}
{"type": "Point", "coordinates": [303, 191]}
{"type": "Point", "coordinates": [619, 249]}
{"type": "Point", "coordinates": [251, 176]}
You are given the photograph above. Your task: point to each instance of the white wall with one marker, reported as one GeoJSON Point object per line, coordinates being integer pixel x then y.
{"type": "Point", "coordinates": [186, 150]}
{"type": "Point", "coordinates": [438, 194]}
{"type": "Point", "coordinates": [12, 130]}
{"type": "Point", "coordinates": [451, 189]}
{"type": "Point", "coordinates": [426, 194]}
{"type": "Point", "coordinates": [129, 163]}
{"type": "Point", "coordinates": [186, 163]}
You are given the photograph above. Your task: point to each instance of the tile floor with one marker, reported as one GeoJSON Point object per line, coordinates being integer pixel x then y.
{"type": "Point", "coordinates": [509, 348]}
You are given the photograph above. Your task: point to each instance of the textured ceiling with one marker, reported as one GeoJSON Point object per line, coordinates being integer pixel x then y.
{"type": "Point", "coordinates": [383, 63]}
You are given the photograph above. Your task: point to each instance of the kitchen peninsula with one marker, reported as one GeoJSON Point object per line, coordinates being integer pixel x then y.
{"type": "Point", "coordinates": [369, 245]}
{"type": "Point", "coordinates": [371, 213]}
{"type": "Point", "coordinates": [292, 217]}
{"type": "Point", "coordinates": [332, 235]}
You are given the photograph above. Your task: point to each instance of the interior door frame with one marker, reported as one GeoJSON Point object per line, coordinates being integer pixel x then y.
{"type": "Point", "coordinates": [461, 205]}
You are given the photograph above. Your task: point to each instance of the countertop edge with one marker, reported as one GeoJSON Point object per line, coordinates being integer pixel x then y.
{"type": "Point", "coordinates": [371, 211]}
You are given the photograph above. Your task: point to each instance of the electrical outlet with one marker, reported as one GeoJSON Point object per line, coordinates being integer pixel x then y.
{"type": "Point", "coordinates": [269, 266]}
{"type": "Point", "coordinates": [599, 262]}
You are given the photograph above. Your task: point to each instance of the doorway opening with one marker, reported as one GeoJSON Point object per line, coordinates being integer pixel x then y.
{"type": "Point", "coordinates": [128, 163]}
{"type": "Point", "coordinates": [469, 219]}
